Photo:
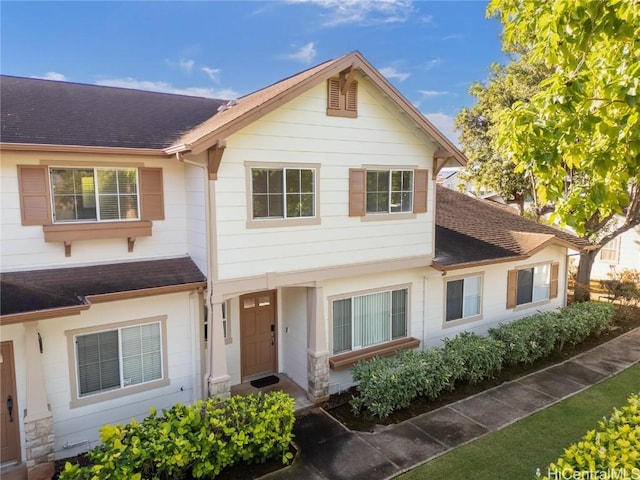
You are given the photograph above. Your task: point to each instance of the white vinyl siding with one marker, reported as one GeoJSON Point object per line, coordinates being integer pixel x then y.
{"type": "Point", "coordinates": [366, 320]}
{"type": "Point", "coordinates": [118, 358]}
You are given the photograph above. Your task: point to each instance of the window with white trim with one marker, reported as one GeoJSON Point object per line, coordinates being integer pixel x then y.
{"type": "Point", "coordinates": [533, 284]}
{"type": "Point", "coordinates": [94, 194]}
{"type": "Point", "coordinates": [463, 298]}
{"type": "Point", "coordinates": [118, 358]}
{"type": "Point", "coordinates": [283, 192]}
{"type": "Point", "coordinates": [389, 191]}
{"type": "Point", "coordinates": [365, 320]}
{"type": "Point", "coordinates": [610, 252]}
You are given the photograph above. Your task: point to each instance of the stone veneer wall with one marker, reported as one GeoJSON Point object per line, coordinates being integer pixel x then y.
{"type": "Point", "coordinates": [40, 444]}
{"type": "Point", "coordinates": [318, 376]}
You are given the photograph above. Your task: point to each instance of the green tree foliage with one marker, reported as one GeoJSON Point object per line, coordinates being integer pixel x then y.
{"type": "Point", "coordinates": [579, 135]}
{"type": "Point", "coordinates": [487, 169]}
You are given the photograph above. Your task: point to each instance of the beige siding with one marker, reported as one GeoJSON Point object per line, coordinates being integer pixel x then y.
{"type": "Point", "coordinates": [301, 132]}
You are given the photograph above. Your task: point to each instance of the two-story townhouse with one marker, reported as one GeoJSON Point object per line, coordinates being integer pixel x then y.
{"type": "Point", "coordinates": [310, 206]}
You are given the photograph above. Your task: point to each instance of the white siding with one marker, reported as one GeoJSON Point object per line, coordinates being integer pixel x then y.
{"type": "Point", "coordinates": [628, 258]}
{"type": "Point", "coordinates": [196, 216]}
{"type": "Point", "coordinates": [24, 248]}
{"type": "Point", "coordinates": [301, 132]}
{"type": "Point", "coordinates": [292, 330]}
{"type": "Point", "coordinates": [494, 297]}
{"type": "Point", "coordinates": [82, 424]}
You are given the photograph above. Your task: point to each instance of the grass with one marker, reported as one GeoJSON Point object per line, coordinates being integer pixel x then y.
{"type": "Point", "coordinates": [519, 449]}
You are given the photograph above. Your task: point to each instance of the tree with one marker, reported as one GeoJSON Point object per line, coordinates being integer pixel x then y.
{"type": "Point", "coordinates": [579, 135]}
{"type": "Point", "coordinates": [487, 169]}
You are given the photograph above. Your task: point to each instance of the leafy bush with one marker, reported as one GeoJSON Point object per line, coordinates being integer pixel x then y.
{"type": "Point", "coordinates": [389, 384]}
{"type": "Point", "coordinates": [578, 321]}
{"type": "Point", "coordinates": [481, 357]}
{"type": "Point", "coordinates": [527, 339]}
{"type": "Point", "coordinates": [611, 452]}
{"type": "Point", "coordinates": [195, 441]}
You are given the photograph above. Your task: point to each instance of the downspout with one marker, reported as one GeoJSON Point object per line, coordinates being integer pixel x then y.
{"type": "Point", "coordinates": [209, 293]}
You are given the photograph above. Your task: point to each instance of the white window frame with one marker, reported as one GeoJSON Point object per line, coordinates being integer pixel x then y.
{"type": "Point", "coordinates": [285, 193]}
{"type": "Point", "coordinates": [96, 195]}
{"type": "Point", "coordinates": [541, 281]}
{"type": "Point", "coordinates": [78, 399]}
{"type": "Point", "coordinates": [390, 191]}
{"type": "Point", "coordinates": [352, 297]}
{"type": "Point", "coordinates": [466, 316]}
{"type": "Point", "coordinates": [610, 252]}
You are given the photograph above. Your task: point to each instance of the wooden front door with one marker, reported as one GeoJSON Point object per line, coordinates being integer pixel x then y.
{"type": "Point", "coordinates": [9, 430]}
{"type": "Point", "coordinates": [258, 334]}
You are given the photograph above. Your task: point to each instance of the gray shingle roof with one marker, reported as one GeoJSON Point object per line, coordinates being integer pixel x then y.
{"type": "Point", "coordinates": [33, 290]}
{"type": "Point", "coordinates": [470, 230]}
{"type": "Point", "coordinates": [61, 113]}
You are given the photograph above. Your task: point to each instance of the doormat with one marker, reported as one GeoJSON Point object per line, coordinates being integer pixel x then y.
{"type": "Point", "coordinates": [264, 381]}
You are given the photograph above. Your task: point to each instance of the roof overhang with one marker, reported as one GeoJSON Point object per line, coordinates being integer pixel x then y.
{"type": "Point", "coordinates": [36, 147]}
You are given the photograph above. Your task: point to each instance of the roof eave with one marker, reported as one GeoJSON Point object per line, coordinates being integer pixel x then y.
{"type": "Point", "coordinates": [45, 147]}
{"type": "Point", "coordinates": [44, 314]}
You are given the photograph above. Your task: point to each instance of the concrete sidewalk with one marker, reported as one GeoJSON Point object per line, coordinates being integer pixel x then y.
{"type": "Point", "coordinates": [329, 451]}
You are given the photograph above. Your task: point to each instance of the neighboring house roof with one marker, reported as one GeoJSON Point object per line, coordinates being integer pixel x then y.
{"type": "Point", "coordinates": [254, 106]}
{"type": "Point", "coordinates": [46, 112]}
{"type": "Point", "coordinates": [75, 287]}
{"type": "Point", "coordinates": [471, 231]}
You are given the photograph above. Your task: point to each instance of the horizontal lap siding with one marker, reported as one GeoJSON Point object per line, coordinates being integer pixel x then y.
{"type": "Point", "coordinates": [301, 132]}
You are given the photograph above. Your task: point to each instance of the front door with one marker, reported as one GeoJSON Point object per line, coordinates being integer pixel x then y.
{"type": "Point", "coordinates": [9, 430]}
{"type": "Point", "coordinates": [258, 341]}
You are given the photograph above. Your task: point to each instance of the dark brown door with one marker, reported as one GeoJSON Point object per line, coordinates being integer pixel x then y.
{"type": "Point", "coordinates": [9, 431]}
{"type": "Point", "coordinates": [258, 340]}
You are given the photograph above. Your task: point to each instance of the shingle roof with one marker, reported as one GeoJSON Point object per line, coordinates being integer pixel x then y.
{"type": "Point", "coordinates": [470, 230]}
{"type": "Point", "coordinates": [34, 290]}
{"type": "Point", "coordinates": [48, 112]}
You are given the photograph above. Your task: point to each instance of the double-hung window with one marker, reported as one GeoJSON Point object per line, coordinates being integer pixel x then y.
{"type": "Point", "coordinates": [94, 194]}
{"type": "Point", "coordinates": [532, 284]}
{"type": "Point", "coordinates": [389, 191]}
{"type": "Point", "coordinates": [370, 319]}
{"type": "Point", "coordinates": [463, 298]}
{"type": "Point", "coordinates": [610, 252]}
{"type": "Point", "coordinates": [283, 192]}
{"type": "Point", "coordinates": [118, 358]}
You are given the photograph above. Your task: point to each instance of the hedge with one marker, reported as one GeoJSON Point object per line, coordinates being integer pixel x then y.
{"type": "Point", "coordinates": [479, 357]}
{"type": "Point", "coordinates": [611, 452]}
{"type": "Point", "coordinates": [195, 441]}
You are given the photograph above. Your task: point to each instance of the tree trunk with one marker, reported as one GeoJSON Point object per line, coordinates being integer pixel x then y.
{"type": "Point", "coordinates": [582, 289]}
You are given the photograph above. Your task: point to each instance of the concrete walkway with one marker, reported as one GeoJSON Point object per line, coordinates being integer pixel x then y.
{"type": "Point", "coordinates": [329, 451]}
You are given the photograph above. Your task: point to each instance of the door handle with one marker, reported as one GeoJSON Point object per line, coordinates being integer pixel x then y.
{"type": "Point", "coordinates": [10, 407]}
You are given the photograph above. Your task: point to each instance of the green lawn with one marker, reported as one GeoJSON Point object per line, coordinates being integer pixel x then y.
{"type": "Point", "coordinates": [515, 452]}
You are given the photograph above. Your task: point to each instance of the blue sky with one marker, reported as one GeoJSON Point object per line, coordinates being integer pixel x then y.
{"type": "Point", "coordinates": [430, 50]}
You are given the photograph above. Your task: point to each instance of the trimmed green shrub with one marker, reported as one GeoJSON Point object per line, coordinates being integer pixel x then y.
{"type": "Point", "coordinates": [611, 452]}
{"type": "Point", "coordinates": [481, 357]}
{"type": "Point", "coordinates": [195, 441]}
{"type": "Point", "coordinates": [527, 339]}
{"type": "Point", "coordinates": [578, 321]}
{"type": "Point", "coordinates": [389, 384]}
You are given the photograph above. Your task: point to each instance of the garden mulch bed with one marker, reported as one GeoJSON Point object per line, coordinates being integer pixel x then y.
{"type": "Point", "coordinates": [626, 319]}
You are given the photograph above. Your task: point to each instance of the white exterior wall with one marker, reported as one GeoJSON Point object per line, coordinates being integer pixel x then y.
{"type": "Point", "coordinates": [24, 248]}
{"type": "Point", "coordinates": [194, 182]}
{"type": "Point", "coordinates": [292, 332]}
{"type": "Point", "coordinates": [628, 258]}
{"type": "Point", "coordinates": [494, 296]}
{"type": "Point", "coordinates": [301, 132]}
{"type": "Point", "coordinates": [82, 424]}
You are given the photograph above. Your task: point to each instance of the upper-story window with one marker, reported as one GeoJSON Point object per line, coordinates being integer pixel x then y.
{"type": "Point", "coordinates": [611, 251]}
{"type": "Point", "coordinates": [389, 191]}
{"type": "Point", "coordinates": [94, 194]}
{"type": "Point", "coordinates": [283, 192]}
{"type": "Point", "coordinates": [377, 191]}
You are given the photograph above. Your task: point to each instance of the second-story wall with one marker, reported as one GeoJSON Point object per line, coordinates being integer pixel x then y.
{"type": "Point", "coordinates": [24, 246]}
{"type": "Point", "coordinates": [301, 134]}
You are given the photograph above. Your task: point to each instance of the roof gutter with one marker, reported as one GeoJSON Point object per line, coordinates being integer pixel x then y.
{"type": "Point", "coordinates": [44, 314]}
{"type": "Point", "coordinates": [37, 147]}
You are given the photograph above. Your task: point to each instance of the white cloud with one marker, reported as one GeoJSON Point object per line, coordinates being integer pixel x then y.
{"type": "Point", "coordinates": [433, 62]}
{"type": "Point", "coordinates": [391, 72]}
{"type": "Point", "coordinates": [362, 12]}
{"type": "Point", "coordinates": [164, 87]}
{"type": "Point", "coordinates": [433, 93]}
{"type": "Point", "coordinates": [304, 54]}
{"type": "Point", "coordinates": [213, 73]}
{"type": "Point", "coordinates": [444, 123]}
{"type": "Point", "coordinates": [60, 77]}
{"type": "Point", "coordinates": [183, 64]}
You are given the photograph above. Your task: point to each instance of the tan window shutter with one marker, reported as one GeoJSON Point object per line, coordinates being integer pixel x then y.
{"type": "Point", "coordinates": [553, 284]}
{"type": "Point", "coordinates": [357, 191]}
{"type": "Point", "coordinates": [333, 94]}
{"type": "Point", "coordinates": [512, 288]}
{"type": "Point", "coordinates": [35, 199]}
{"type": "Point", "coordinates": [151, 194]}
{"type": "Point", "coordinates": [351, 100]}
{"type": "Point", "coordinates": [420, 190]}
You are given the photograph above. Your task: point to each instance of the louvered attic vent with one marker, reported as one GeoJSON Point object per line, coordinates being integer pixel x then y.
{"type": "Point", "coordinates": [341, 104]}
